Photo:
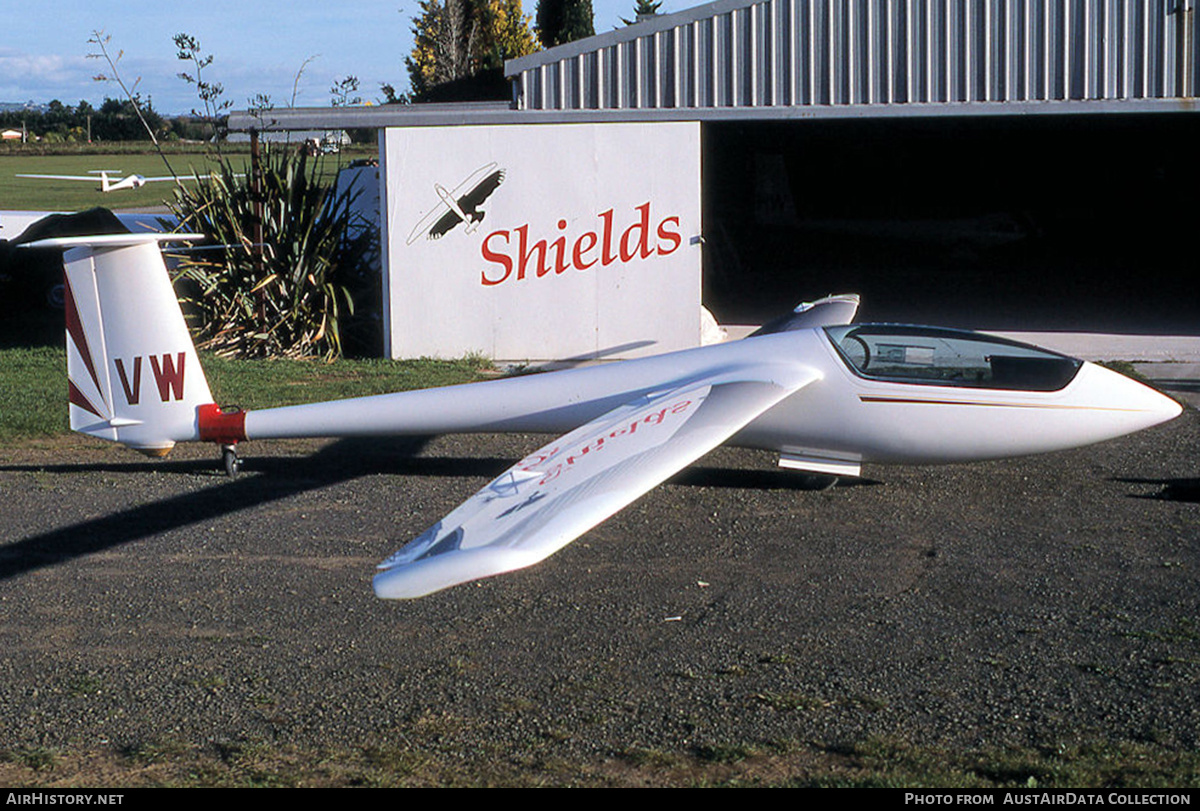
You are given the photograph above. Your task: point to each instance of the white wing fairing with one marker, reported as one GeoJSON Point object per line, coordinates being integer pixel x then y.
{"type": "Point", "coordinates": [563, 489]}
{"type": "Point", "coordinates": [825, 312]}
{"type": "Point", "coordinates": [824, 394]}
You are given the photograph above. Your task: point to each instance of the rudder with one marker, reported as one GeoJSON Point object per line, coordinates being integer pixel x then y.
{"type": "Point", "coordinates": [133, 373]}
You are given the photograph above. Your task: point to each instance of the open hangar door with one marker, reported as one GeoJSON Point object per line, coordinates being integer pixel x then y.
{"type": "Point", "coordinates": [1036, 222]}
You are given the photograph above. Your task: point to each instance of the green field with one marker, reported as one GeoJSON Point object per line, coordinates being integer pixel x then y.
{"type": "Point", "coordinates": [28, 194]}
{"type": "Point", "coordinates": [33, 384]}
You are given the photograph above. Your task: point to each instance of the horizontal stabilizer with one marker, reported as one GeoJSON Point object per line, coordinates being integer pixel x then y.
{"type": "Point", "coordinates": [99, 241]}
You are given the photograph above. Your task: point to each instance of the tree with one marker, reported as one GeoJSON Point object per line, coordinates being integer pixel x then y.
{"type": "Point", "coordinates": [505, 34]}
{"type": "Point", "coordinates": [454, 40]}
{"type": "Point", "coordinates": [642, 11]}
{"type": "Point", "coordinates": [344, 92]}
{"type": "Point", "coordinates": [57, 119]}
{"type": "Point", "coordinates": [126, 120]}
{"type": "Point", "coordinates": [390, 96]}
{"type": "Point", "coordinates": [209, 92]}
{"type": "Point", "coordinates": [560, 21]}
{"type": "Point", "coordinates": [442, 38]}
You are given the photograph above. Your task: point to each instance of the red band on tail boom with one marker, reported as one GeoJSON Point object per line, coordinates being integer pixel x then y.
{"type": "Point", "coordinates": [226, 427]}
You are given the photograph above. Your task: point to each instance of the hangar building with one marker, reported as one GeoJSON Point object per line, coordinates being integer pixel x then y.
{"type": "Point", "coordinates": [994, 164]}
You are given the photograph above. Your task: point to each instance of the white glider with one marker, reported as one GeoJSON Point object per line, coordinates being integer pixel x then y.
{"type": "Point", "coordinates": [827, 395]}
{"type": "Point", "coordinates": [108, 183]}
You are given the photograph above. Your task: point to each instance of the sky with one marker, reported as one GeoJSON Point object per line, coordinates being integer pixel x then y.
{"type": "Point", "coordinates": [291, 50]}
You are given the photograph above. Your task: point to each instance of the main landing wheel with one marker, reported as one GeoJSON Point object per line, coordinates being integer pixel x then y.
{"type": "Point", "coordinates": [229, 458]}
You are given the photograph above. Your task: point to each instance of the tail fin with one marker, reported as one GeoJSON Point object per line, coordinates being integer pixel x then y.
{"type": "Point", "coordinates": [132, 369]}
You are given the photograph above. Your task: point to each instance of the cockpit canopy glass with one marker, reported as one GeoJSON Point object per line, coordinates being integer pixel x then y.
{"type": "Point", "coordinates": [943, 357]}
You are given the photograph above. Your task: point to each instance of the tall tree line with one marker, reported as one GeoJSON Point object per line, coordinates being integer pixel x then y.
{"type": "Point", "coordinates": [460, 45]}
{"type": "Point", "coordinates": [113, 120]}
{"type": "Point", "coordinates": [562, 21]}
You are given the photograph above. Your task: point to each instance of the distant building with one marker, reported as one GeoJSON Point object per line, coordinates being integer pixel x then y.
{"type": "Point", "coordinates": [337, 137]}
{"type": "Point", "coordinates": [12, 135]}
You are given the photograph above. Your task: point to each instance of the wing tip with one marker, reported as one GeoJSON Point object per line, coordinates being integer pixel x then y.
{"type": "Point", "coordinates": [426, 576]}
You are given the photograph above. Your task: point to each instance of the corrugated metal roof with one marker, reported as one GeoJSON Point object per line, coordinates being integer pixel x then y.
{"type": "Point", "coordinates": [450, 115]}
{"type": "Point", "coordinates": [797, 59]}
{"type": "Point", "coordinates": [845, 53]}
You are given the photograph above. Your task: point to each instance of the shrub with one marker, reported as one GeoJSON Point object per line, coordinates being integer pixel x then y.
{"type": "Point", "coordinates": [285, 297]}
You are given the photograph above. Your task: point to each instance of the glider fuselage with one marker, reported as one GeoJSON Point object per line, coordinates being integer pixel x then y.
{"type": "Point", "coordinates": [844, 415]}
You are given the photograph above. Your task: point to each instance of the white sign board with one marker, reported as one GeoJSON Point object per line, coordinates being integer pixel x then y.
{"type": "Point", "coordinates": [542, 242]}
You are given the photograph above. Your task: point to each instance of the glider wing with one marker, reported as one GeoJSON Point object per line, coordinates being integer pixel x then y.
{"type": "Point", "coordinates": [90, 178]}
{"type": "Point", "coordinates": [165, 178]}
{"type": "Point", "coordinates": [563, 489]}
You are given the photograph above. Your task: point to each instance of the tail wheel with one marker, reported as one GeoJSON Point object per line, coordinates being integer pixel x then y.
{"type": "Point", "coordinates": [231, 460]}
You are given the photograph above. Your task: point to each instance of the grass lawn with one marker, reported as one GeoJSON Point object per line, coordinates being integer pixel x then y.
{"type": "Point", "coordinates": [871, 763]}
{"type": "Point", "coordinates": [29, 194]}
{"type": "Point", "coordinates": [33, 384]}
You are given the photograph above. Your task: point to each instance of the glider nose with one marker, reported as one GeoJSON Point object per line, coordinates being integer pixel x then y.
{"type": "Point", "coordinates": [1134, 405]}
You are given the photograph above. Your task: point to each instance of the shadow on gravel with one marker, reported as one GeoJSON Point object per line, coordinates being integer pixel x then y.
{"type": "Point", "coordinates": [285, 477]}
{"type": "Point", "coordinates": [265, 479]}
{"type": "Point", "coordinates": [1172, 489]}
{"type": "Point", "coordinates": [757, 479]}
{"type": "Point", "coordinates": [344, 459]}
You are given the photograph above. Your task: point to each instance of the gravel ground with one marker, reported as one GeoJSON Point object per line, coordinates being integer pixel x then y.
{"type": "Point", "coordinates": [1042, 601]}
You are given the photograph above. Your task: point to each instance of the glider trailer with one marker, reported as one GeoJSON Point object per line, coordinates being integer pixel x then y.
{"type": "Point", "coordinates": [824, 393]}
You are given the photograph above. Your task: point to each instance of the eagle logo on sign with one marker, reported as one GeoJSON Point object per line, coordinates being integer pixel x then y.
{"type": "Point", "coordinates": [459, 205]}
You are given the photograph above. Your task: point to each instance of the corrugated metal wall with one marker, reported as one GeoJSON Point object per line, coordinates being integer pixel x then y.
{"type": "Point", "coordinates": [857, 52]}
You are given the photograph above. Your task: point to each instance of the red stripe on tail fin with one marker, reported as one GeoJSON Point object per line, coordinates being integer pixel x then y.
{"type": "Point", "coordinates": [75, 397]}
{"type": "Point", "coordinates": [75, 330]}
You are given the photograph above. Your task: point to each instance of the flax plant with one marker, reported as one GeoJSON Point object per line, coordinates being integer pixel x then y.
{"type": "Point", "coordinates": [283, 297]}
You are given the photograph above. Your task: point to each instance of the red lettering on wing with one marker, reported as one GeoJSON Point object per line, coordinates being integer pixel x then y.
{"type": "Point", "coordinates": [595, 446]}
